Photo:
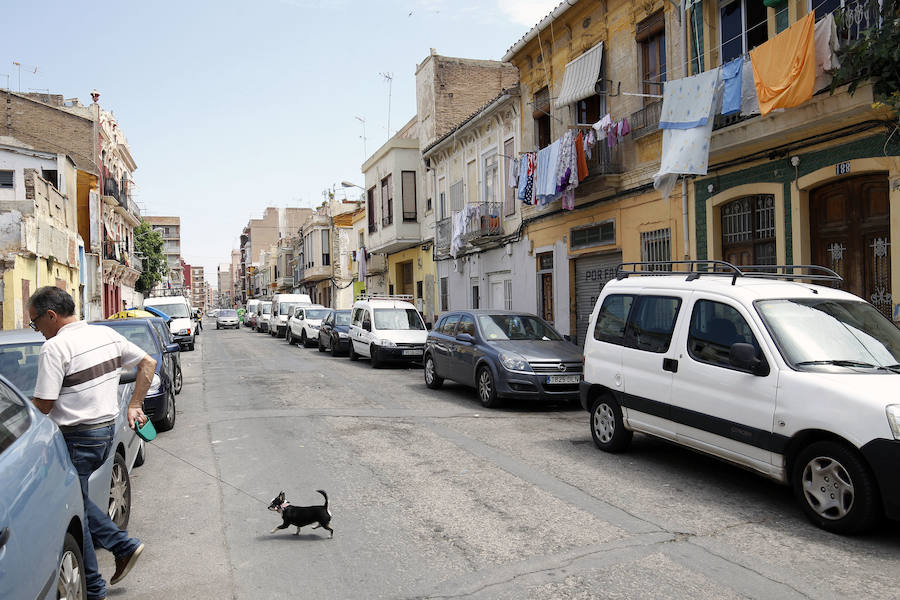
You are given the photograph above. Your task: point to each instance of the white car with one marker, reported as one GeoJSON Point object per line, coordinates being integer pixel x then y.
{"type": "Point", "coordinates": [282, 307]}
{"type": "Point", "coordinates": [386, 328]}
{"type": "Point", "coordinates": [303, 325]}
{"type": "Point", "coordinates": [792, 380]}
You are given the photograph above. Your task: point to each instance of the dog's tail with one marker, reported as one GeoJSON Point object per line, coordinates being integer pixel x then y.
{"type": "Point", "coordinates": [326, 497]}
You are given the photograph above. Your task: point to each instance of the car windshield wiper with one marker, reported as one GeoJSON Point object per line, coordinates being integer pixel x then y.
{"type": "Point", "coordinates": [841, 363]}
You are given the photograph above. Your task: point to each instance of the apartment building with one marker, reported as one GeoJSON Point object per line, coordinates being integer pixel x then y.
{"type": "Point", "coordinates": [259, 235]}
{"type": "Point", "coordinates": [198, 288]}
{"type": "Point", "coordinates": [170, 229]}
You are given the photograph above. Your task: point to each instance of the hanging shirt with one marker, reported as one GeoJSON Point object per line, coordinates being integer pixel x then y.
{"type": "Point", "coordinates": [731, 79]}
{"type": "Point", "coordinates": [579, 157]}
{"type": "Point", "coordinates": [602, 126]}
{"type": "Point", "coordinates": [784, 68]}
{"type": "Point", "coordinates": [511, 172]}
{"type": "Point", "coordinates": [589, 143]}
{"type": "Point", "coordinates": [749, 103]}
{"type": "Point", "coordinates": [827, 44]}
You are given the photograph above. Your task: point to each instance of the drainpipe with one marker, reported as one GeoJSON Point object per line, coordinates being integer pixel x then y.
{"type": "Point", "coordinates": [686, 236]}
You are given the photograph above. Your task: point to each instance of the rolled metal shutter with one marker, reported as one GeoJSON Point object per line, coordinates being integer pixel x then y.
{"type": "Point", "coordinates": [591, 274]}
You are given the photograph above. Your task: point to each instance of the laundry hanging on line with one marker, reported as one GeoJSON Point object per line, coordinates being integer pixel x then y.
{"type": "Point", "coordinates": [784, 68]}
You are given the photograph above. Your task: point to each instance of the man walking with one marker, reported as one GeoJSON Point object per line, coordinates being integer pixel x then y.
{"type": "Point", "coordinates": [77, 386]}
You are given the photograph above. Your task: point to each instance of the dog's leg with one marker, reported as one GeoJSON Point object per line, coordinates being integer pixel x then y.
{"type": "Point", "coordinates": [298, 530]}
{"type": "Point", "coordinates": [282, 526]}
{"type": "Point", "coordinates": [328, 528]}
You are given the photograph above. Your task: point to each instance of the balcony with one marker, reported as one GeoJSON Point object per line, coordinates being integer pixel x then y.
{"type": "Point", "coordinates": [645, 121]}
{"type": "Point", "coordinates": [116, 252]}
{"type": "Point", "coordinates": [316, 272]}
{"type": "Point", "coordinates": [605, 161]}
{"type": "Point", "coordinates": [443, 231]}
{"type": "Point", "coordinates": [110, 188]}
{"type": "Point", "coordinates": [483, 222]}
{"type": "Point", "coordinates": [284, 282]}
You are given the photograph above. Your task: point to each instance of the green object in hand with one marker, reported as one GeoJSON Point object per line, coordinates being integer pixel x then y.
{"type": "Point", "coordinates": [146, 432]}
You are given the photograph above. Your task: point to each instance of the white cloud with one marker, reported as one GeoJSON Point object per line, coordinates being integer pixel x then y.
{"type": "Point", "coordinates": [526, 12]}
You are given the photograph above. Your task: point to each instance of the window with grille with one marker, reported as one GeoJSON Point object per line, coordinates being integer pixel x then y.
{"type": "Point", "coordinates": [656, 246]}
{"type": "Point", "coordinates": [595, 235]}
{"type": "Point", "coordinates": [748, 230]}
{"type": "Point", "coordinates": [476, 294]}
{"type": "Point", "coordinates": [408, 192]}
{"type": "Point", "coordinates": [445, 295]}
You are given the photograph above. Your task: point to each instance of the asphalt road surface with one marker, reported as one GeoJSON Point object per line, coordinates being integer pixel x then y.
{"type": "Point", "coordinates": [435, 497]}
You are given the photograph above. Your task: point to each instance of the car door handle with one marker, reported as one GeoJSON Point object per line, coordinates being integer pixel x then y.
{"type": "Point", "coordinates": [670, 364]}
{"type": "Point", "coordinates": [4, 536]}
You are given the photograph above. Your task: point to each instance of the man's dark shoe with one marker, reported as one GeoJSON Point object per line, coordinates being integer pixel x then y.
{"type": "Point", "coordinates": [125, 563]}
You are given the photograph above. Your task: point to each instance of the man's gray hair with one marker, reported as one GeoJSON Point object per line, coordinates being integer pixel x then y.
{"type": "Point", "coordinates": [52, 298]}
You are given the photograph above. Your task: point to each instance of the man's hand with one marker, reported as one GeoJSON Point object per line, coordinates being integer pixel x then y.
{"type": "Point", "coordinates": [136, 415]}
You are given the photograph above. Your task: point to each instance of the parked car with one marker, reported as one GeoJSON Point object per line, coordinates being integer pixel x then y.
{"type": "Point", "coordinates": [41, 510]}
{"type": "Point", "coordinates": [334, 332]}
{"type": "Point", "coordinates": [109, 485]}
{"type": "Point", "coordinates": [166, 338]}
{"type": "Point", "coordinates": [261, 321]}
{"type": "Point", "coordinates": [791, 380]}
{"type": "Point", "coordinates": [282, 307]}
{"type": "Point", "coordinates": [159, 404]}
{"type": "Point", "coordinates": [386, 328]}
{"type": "Point", "coordinates": [183, 326]}
{"type": "Point", "coordinates": [227, 317]}
{"type": "Point", "coordinates": [250, 315]}
{"type": "Point", "coordinates": [303, 325]}
{"type": "Point", "coordinates": [503, 354]}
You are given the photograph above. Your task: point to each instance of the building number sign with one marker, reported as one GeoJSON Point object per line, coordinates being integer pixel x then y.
{"type": "Point", "coordinates": [842, 168]}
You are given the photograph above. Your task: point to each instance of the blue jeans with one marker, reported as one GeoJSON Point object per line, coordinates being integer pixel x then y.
{"type": "Point", "coordinates": [88, 451]}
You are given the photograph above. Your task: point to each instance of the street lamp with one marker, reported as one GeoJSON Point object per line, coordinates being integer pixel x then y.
{"type": "Point", "coordinates": [348, 184]}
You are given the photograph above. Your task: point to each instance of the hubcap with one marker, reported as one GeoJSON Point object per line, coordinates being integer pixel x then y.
{"type": "Point", "coordinates": [484, 384]}
{"type": "Point", "coordinates": [604, 423]}
{"type": "Point", "coordinates": [429, 371]}
{"type": "Point", "coordinates": [68, 583]}
{"type": "Point", "coordinates": [828, 488]}
{"type": "Point", "coordinates": [117, 504]}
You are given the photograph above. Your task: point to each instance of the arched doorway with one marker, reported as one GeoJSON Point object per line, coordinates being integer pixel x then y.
{"type": "Point", "coordinates": [850, 232]}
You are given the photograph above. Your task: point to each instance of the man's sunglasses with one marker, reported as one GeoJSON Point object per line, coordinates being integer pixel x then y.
{"type": "Point", "coordinates": [33, 323]}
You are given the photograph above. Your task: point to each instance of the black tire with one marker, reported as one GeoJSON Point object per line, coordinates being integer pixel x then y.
{"type": "Point", "coordinates": [168, 420]}
{"type": "Point", "coordinates": [288, 337]}
{"type": "Point", "coordinates": [432, 379]}
{"type": "Point", "coordinates": [352, 354]}
{"type": "Point", "coordinates": [335, 344]}
{"type": "Point", "coordinates": [178, 383]}
{"type": "Point", "coordinates": [70, 579]}
{"type": "Point", "coordinates": [191, 346]}
{"type": "Point", "coordinates": [319, 344]}
{"type": "Point", "coordinates": [119, 509]}
{"type": "Point", "coordinates": [217, 327]}
{"type": "Point", "coordinates": [835, 488]}
{"type": "Point", "coordinates": [141, 455]}
{"type": "Point", "coordinates": [303, 341]}
{"type": "Point", "coordinates": [373, 357]}
{"type": "Point", "coordinates": [487, 390]}
{"type": "Point", "coordinates": [607, 428]}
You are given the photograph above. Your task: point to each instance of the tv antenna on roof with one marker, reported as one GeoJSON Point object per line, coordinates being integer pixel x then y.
{"type": "Point", "coordinates": [389, 77]}
{"type": "Point", "coordinates": [365, 152]}
{"type": "Point", "coordinates": [19, 66]}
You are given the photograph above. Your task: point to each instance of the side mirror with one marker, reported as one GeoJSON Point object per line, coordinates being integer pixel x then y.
{"type": "Point", "coordinates": [129, 376]}
{"type": "Point", "coordinates": [743, 356]}
{"type": "Point", "coordinates": [568, 338]}
{"type": "Point", "coordinates": [465, 337]}
{"type": "Point", "coordinates": [172, 348]}
{"type": "Point", "coordinates": [367, 326]}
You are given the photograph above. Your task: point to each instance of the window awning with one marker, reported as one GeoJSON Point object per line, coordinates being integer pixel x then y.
{"type": "Point", "coordinates": [581, 77]}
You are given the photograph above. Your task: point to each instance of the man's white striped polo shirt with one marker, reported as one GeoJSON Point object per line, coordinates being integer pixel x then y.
{"type": "Point", "coordinates": [79, 368]}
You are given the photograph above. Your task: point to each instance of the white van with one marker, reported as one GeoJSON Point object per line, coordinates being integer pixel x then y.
{"type": "Point", "coordinates": [182, 325]}
{"type": "Point", "coordinates": [282, 307]}
{"type": "Point", "coordinates": [386, 328]}
{"type": "Point", "coordinates": [252, 309]}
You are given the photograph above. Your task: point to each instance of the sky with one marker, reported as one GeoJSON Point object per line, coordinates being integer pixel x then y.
{"type": "Point", "coordinates": [230, 107]}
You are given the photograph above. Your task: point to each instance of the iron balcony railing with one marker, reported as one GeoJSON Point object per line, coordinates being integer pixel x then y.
{"type": "Point", "coordinates": [442, 234]}
{"type": "Point", "coordinates": [645, 121]}
{"type": "Point", "coordinates": [116, 251]}
{"type": "Point", "coordinates": [605, 160]}
{"type": "Point", "coordinates": [483, 221]}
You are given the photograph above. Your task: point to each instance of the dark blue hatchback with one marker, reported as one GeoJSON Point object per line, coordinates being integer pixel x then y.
{"type": "Point", "coordinates": [503, 354]}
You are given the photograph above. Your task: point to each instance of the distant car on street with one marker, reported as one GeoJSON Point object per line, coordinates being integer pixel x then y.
{"type": "Point", "coordinates": [334, 332]}
{"type": "Point", "coordinates": [503, 354]}
{"type": "Point", "coordinates": [227, 318]}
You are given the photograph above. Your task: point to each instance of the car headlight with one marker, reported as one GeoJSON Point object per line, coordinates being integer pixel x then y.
{"type": "Point", "coordinates": [514, 362]}
{"type": "Point", "coordinates": [183, 332]}
{"type": "Point", "coordinates": [893, 415]}
{"type": "Point", "coordinates": [387, 344]}
{"type": "Point", "coordinates": [316, 327]}
{"type": "Point", "coordinates": [154, 385]}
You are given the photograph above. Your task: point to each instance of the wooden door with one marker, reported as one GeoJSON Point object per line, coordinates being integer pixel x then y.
{"type": "Point", "coordinates": [850, 233]}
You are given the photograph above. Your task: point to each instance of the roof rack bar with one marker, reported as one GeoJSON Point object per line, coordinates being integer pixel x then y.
{"type": "Point", "coordinates": [695, 268]}
{"type": "Point", "coordinates": [400, 297]}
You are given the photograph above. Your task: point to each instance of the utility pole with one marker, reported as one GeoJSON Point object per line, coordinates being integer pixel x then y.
{"type": "Point", "coordinates": [389, 77]}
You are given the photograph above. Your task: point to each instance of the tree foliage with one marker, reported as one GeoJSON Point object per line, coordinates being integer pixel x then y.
{"type": "Point", "coordinates": [875, 55]}
{"type": "Point", "coordinates": [149, 244]}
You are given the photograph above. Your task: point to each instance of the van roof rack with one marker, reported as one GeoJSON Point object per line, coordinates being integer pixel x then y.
{"type": "Point", "coordinates": [693, 269]}
{"type": "Point", "coordinates": [400, 297]}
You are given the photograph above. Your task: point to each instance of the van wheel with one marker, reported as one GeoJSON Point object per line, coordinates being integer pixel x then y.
{"type": "Point", "coordinates": [373, 357]}
{"type": "Point", "coordinates": [607, 428]}
{"type": "Point", "coordinates": [487, 391]}
{"type": "Point", "coordinates": [432, 379]}
{"type": "Point", "coordinates": [119, 510]}
{"type": "Point", "coordinates": [288, 337]}
{"type": "Point", "coordinates": [835, 488]}
{"type": "Point", "coordinates": [70, 580]}
{"type": "Point", "coordinates": [352, 354]}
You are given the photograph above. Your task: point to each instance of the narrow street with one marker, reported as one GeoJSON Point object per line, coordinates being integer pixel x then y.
{"type": "Point", "coordinates": [435, 497]}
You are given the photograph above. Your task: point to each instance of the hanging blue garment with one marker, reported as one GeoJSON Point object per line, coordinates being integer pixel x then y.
{"type": "Point", "coordinates": [731, 76]}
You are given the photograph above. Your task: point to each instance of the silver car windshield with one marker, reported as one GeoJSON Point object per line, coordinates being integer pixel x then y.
{"type": "Point", "coordinates": [19, 364]}
{"type": "Point", "coordinates": [812, 334]}
{"type": "Point", "coordinates": [516, 327]}
{"type": "Point", "coordinates": [397, 319]}
{"type": "Point", "coordinates": [227, 313]}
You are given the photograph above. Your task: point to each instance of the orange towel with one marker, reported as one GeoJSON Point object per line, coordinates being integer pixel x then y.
{"type": "Point", "coordinates": [579, 156]}
{"type": "Point", "coordinates": [784, 68]}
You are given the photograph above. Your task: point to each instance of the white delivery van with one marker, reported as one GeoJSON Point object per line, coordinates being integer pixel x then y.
{"type": "Point", "coordinates": [386, 328]}
{"type": "Point", "coordinates": [282, 307]}
{"type": "Point", "coordinates": [252, 310]}
{"type": "Point", "coordinates": [182, 325]}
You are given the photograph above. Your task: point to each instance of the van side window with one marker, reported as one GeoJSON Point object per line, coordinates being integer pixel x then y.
{"type": "Point", "coordinates": [450, 325]}
{"type": "Point", "coordinates": [365, 317]}
{"type": "Point", "coordinates": [611, 320]}
{"type": "Point", "coordinates": [714, 328]}
{"type": "Point", "coordinates": [651, 323]}
{"type": "Point", "coordinates": [357, 316]}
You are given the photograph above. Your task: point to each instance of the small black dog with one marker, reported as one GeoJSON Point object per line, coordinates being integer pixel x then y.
{"type": "Point", "coordinates": [301, 516]}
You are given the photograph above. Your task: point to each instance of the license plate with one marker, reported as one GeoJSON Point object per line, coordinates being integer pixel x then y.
{"type": "Point", "coordinates": [412, 353]}
{"type": "Point", "coordinates": [563, 378]}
